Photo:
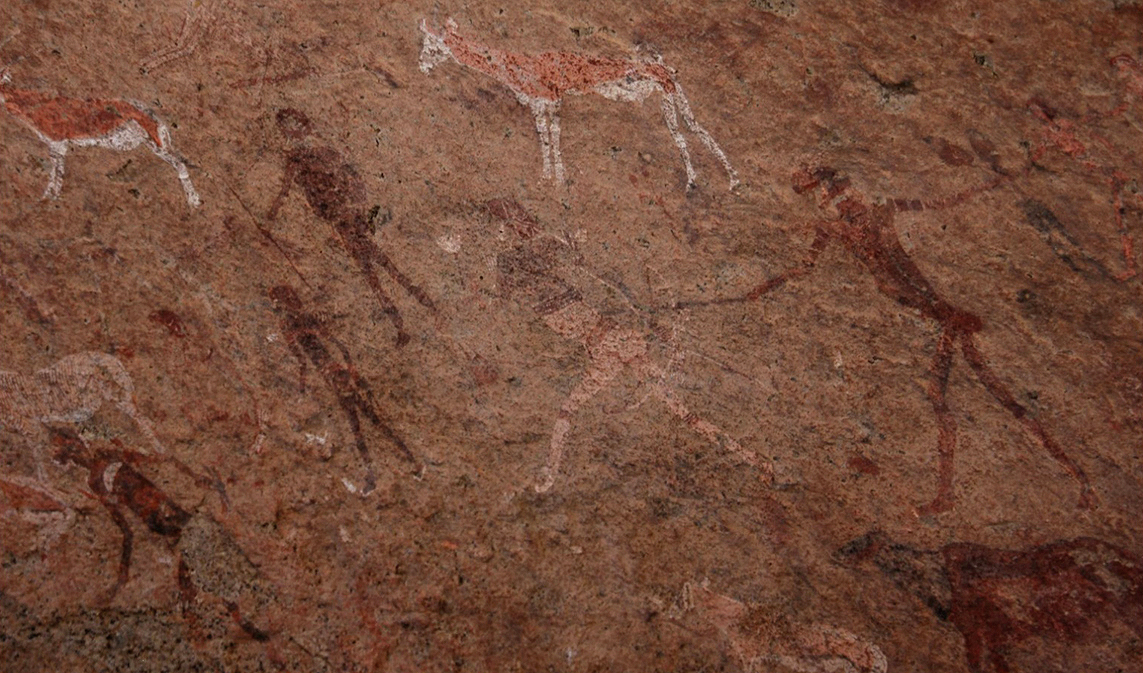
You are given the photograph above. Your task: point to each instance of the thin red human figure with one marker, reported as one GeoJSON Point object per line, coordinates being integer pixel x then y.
{"type": "Point", "coordinates": [1059, 133]}
{"type": "Point", "coordinates": [64, 123]}
{"type": "Point", "coordinates": [530, 273]}
{"type": "Point", "coordinates": [336, 193]}
{"type": "Point", "coordinates": [867, 232]}
{"type": "Point", "coordinates": [540, 82]}
{"type": "Point", "coordinates": [1131, 71]}
{"type": "Point", "coordinates": [309, 341]}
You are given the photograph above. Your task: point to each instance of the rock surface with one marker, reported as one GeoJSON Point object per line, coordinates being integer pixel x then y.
{"type": "Point", "coordinates": [391, 399]}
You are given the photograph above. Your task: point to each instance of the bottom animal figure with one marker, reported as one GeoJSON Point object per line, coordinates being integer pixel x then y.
{"type": "Point", "coordinates": [997, 598]}
{"type": "Point", "coordinates": [117, 484]}
{"type": "Point", "coordinates": [310, 340]}
{"type": "Point", "coordinates": [772, 641]}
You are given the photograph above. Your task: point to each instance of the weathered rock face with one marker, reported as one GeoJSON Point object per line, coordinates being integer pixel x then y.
{"type": "Point", "coordinates": [571, 336]}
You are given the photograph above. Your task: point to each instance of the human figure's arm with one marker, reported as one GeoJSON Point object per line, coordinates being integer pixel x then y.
{"type": "Point", "coordinates": [821, 241]}
{"type": "Point", "coordinates": [300, 356]}
{"type": "Point", "coordinates": [287, 184]}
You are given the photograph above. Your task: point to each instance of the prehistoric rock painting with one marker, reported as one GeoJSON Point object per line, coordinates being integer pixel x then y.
{"type": "Point", "coordinates": [540, 82]}
{"type": "Point", "coordinates": [118, 485]}
{"type": "Point", "coordinates": [200, 20]}
{"type": "Point", "coordinates": [336, 193]}
{"type": "Point", "coordinates": [50, 510]}
{"type": "Point", "coordinates": [530, 274]}
{"type": "Point", "coordinates": [765, 642]}
{"type": "Point", "coordinates": [997, 598]}
{"type": "Point", "coordinates": [867, 232]}
{"type": "Point", "coordinates": [1060, 134]}
{"type": "Point", "coordinates": [310, 340]}
{"type": "Point", "coordinates": [258, 552]}
{"type": "Point", "coordinates": [69, 391]}
{"type": "Point", "coordinates": [63, 123]}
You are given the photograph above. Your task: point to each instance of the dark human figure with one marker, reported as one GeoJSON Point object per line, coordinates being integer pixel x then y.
{"type": "Point", "coordinates": [867, 232]}
{"type": "Point", "coordinates": [309, 341]}
{"type": "Point", "coordinates": [1063, 590]}
{"type": "Point", "coordinates": [336, 193]}
{"type": "Point", "coordinates": [119, 486]}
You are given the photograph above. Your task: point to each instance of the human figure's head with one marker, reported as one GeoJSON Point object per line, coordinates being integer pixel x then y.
{"type": "Point", "coordinates": [294, 124]}
{"type": "Point", "coordinates": [285, 297]}
{"type": "Point", "coordinates": [832, 183]}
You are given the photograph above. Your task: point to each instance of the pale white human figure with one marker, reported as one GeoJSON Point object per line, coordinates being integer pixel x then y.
{"type": "Point", "coordinates": [766, 642]}
{"type": "Point", "coordinates": [70, 391]}
{"type": "Point", "coordinates": [540, 82]}
{"type": "Point", "coordinates": [613, 352]}
{"type": "Point", "coordinates": [63, 123]}
{"type": "Point", "coordinates": [530, 273]}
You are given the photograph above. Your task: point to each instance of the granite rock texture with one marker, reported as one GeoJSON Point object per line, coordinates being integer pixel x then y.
{"type": "Point", "coordinates": [328, 375]}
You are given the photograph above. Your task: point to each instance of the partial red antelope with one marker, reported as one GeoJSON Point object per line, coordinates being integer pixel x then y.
{"type": "Point", "coordinates": [540, 82]}
{"type": "Point", "coordinates": [64, 123]}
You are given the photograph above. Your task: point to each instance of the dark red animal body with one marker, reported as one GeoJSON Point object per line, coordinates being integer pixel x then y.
{"type": "Point", "coordinates": [1064, 591]}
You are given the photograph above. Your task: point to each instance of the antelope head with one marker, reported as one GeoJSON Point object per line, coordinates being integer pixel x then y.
{"type": "Point", "coordinates": [434, 49]}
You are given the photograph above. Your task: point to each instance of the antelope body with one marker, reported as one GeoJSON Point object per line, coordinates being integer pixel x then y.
{"type": "Point", "coordinates": [63, 123]}
{"type": "Point", "coordinates": [540, 82]}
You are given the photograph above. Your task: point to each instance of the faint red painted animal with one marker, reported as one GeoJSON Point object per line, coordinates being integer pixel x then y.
{"type": "Point", "coordinates": [64, 123]}
{"type": "Point", "coordinates": [1066, 590]}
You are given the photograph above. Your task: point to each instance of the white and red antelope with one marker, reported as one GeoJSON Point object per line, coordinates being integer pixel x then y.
{"type": "Point", "coordinates": [64, 123]}
{"type": "Point", "coordinates": [540, 82]}
{"type": "Point", "coordinates": [70, 391]}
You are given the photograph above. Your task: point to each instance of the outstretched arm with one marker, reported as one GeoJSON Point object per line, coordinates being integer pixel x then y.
{"type": "Point", "coordinates": [296, 350]}
{"type": "Point", "coordinates": [287, 183]}
{"type": "Point", "coordinates": [902, 205]}
{"type": "Point", "coordinates": [821, 241]}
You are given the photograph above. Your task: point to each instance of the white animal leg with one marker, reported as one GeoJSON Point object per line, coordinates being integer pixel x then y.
{"type": "Point", "coordinates": [554, 134]}
{"type": "Point", "coordinates": [57, 151]}
{"type": "Point", "coordinates": [539, 111]}
{"type": "Point", "coordinates": [184, 175]}
{"type": "Point", "coordinates": [684, 107]}
{"type": "Point", "coordinates": [670, 116]}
